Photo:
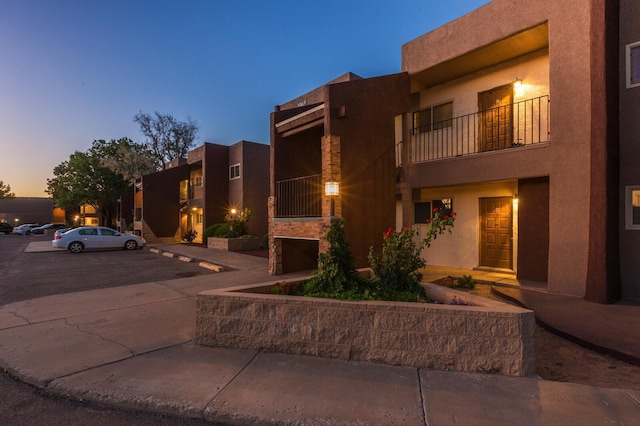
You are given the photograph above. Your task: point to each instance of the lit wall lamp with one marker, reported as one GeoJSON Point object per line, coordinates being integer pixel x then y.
{"type": "Point", "coordinates": [517, 83]}
{"type": "Point", "coordinates": [233, 211]}
{"type": "Point", "coordinates": [331, 189]}
{"type": "Point", "coordinates": [515, 199]}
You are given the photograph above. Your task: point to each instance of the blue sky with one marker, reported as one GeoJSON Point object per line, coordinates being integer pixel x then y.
{"type": "Point", "coordinates": [72, 71]}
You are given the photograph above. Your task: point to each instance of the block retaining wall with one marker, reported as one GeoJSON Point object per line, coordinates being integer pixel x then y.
{"type": "Point", "coordinates": [494, 338]}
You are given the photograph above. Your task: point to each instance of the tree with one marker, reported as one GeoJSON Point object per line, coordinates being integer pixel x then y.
{"type": "Point", "coordinates": [167, 138]}
{"type": "Point", "coordinates": [84, 179]}
{"type": "Point", "coordinates": [130, 159]}
{"type": "Point", "coordinates": [5, 191]}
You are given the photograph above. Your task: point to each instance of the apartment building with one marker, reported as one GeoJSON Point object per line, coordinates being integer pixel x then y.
{"type": "Point", "coordinates": [196, 192]}
{"type": "Point", "coordinates": [528, 130]}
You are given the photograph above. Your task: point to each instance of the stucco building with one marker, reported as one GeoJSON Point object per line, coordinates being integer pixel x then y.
{"type": "Point", "coordinates": [196, 192]}
{"type": "Point", "coordinates": [344, 132]}
{"type": "Point", "coordinates": [525, 128]}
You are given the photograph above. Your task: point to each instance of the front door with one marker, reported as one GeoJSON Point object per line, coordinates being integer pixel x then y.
{"type": "Point", "coordinates": [495, 232]}
{"type": "Point", "coordinates": [496, 118]}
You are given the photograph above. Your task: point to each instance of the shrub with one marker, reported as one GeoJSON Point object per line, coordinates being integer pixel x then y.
{"type": "Point", "coordinates": [210, 231]}
{"type": "Point", "coordinates": [337, 276]}
{"type": "Point", "coordinates": [190, 235]}
{"type": "Point", "coordinates": [237, 223]}
{"type": "Point", "coordinates": [397, 268]}
{"type": "Point", "coordinates": [264, 242]}
{"type": "Point", "coordinates": [465, 281]}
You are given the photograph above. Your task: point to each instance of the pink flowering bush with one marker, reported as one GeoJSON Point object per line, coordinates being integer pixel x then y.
{"type": "Point", "coordinates": [397, 268]}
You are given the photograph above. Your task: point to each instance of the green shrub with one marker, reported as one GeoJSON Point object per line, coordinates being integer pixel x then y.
{"type": "Point", "coordinates": [237, 223]}
{"type": "Point", "coordinates": [190, 235]}
{"type": "Point", "coordinates": [210, 231]}
{"type": "Point", "coordinates": [264, 242]}
{"type": "Point", "coordinates": [337, 276]}
{"type": "Point", "coordinates": [222, 231]}
{"type": "Point", "coordinates": [465, 281]}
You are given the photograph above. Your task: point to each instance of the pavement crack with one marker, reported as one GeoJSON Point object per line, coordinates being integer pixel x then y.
{"type": "Point", "coordinates": [77, 327]}
{"type": "Point", "coordinates": [422, 401]}
{"type": "Point", "coordinates": [17, 315]}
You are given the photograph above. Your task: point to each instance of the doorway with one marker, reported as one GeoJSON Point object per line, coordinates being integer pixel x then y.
{"type": "Point", "coordinates": [496, 232]}
{"type": "Point", "coordinates": [495, 108]}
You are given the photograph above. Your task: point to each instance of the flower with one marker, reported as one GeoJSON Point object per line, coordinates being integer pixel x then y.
{"type": "Point", "coordinates": [388, 233]}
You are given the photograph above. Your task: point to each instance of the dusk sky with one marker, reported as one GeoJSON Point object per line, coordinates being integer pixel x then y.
{"type": "Point", "coordinates": [72, 71]}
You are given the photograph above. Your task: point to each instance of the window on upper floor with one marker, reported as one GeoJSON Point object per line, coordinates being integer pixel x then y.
{"type": "Point", "coordinates": [433, 118]}
{"type": "Point", "coordinates": [234, 171]}
{"type": "Point", "coordinates": [633, 65]}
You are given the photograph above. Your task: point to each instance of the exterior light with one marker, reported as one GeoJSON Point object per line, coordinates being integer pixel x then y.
{"type": "Point", "coordinates": [194, 209]}
{"type": "Point", "coordinates": [331, 188]}
{"type": "Point", "coordinates": [517, 83]}
{"type": "Point", "coordinates": [233, 211]}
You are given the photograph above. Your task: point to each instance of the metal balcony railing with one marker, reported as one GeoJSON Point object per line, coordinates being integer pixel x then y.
{"type": "Point", "coordinates": [518, 124]}
{"type": "Point", "coordinates": [299, 197]}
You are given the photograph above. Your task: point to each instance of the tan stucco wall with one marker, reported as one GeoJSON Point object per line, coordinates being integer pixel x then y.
{"type": "Point", "coordinates": [460, 249]}
{"type": "Point", "coordinates": [566, 160]}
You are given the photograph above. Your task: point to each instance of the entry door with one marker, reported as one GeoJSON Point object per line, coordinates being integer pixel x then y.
{"type": "Point", "coordinates": [496, 118]}
{"type": "Point", "coordinates": [495, 233]}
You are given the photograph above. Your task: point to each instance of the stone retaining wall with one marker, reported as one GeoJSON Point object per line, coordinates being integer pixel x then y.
{"type": "Point", "coordinates": [493, 338]}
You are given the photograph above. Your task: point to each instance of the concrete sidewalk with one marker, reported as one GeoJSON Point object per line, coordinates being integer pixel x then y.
{"type": "Point", "coordinates": [132, 347]}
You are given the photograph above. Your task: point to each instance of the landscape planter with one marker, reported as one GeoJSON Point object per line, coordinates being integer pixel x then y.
{"type": "Point", "coordinates": [488, 337]}
{"type": "Point", "coordinates": [234, 244]}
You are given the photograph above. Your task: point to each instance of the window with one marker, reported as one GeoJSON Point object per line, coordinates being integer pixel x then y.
{"type": "Point", "coordinates": [633, 65]}
{"type": "Point", "coordinates": [433, 118]}
{"type": "Point", "coordinates": [198, 181]}
{"type": "Point", "coordinates": [108, 232]}
{"type": "Point", "coordinates": [234, 171]}
{"type": "Point", "coordinates": [424, 210]}
{"type": "Point", "coordinates": [632, 207]}
{"type": "Point", "coordinates": [199, 217]}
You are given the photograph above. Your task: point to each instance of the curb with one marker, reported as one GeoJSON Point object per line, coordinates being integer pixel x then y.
{"type": "Point", "coordinates": [203, 264]}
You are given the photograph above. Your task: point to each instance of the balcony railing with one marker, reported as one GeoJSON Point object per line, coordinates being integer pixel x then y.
{"type": "Point", "coordinates": [299, 197]}
{"type": "Point", "coordinates": [514, 125]}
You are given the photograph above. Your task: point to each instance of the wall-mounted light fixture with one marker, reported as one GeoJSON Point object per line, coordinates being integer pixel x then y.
{"type": "Point", "coordinates": [331, 189]}
{"type": "Point", "coordinates": [515, 200]}
{"type": "Point", "coordinates": [517, 83]}
{"type": "Point", "coordinates": [233, 211]}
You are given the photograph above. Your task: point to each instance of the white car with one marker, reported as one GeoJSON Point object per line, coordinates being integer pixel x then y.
{"type": "Point", "coordinates": [95, 237]}
{"type": "Point", "coordinates": [25, 229]}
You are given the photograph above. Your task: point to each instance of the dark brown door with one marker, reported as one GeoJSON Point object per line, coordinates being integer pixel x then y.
{"type": "Point", "coordinates": [496, 118]}
{"type": "Point", "coordinates": [495, 232]}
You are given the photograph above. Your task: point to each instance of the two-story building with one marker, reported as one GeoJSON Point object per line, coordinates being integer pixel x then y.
{"type": "Point", "coordinates": [340, 137]}
{"type": "Point", "coordinates": [522, 117]}
{"type": "Point", "coordinates": [515, 126]}
{"type": "Point", "coordinates": [196, 192]}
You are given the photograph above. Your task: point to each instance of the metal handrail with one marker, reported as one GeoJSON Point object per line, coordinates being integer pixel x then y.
{"type": "Point", "coordinates": [299, 197]}
{"type": "Point", "coordinates": [522, 123]}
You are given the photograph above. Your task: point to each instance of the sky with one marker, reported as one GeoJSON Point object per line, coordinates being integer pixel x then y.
{"type": "Point", "coordinates": [73, 71]}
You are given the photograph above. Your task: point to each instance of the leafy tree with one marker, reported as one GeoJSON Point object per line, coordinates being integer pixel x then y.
{"type": "Point", "coordinates": [127, 158]}
{"type": "Point", "coordinates": [84, 179]}
{"type": "Point", "coordinates": [5, 191]}
{"type": "Point", "coordinates": [167, 138]}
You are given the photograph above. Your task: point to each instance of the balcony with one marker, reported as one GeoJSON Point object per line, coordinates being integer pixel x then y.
{"type": "Point", "coordinates": [509, 126]}
{"type": "Point", "coordinates": [299, 197]}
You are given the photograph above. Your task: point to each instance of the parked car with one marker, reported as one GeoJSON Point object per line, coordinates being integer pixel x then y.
{"type": "Point", "coordinates": [25, 228]}
{"type": "Point", "coordinates": [95, 237]}
{"type": "Point", "coordinates": [61, 231]}
{"type": "Point", "coordinates": [6, 228]}
{"type": "Point", "coordinates": [43, 228]}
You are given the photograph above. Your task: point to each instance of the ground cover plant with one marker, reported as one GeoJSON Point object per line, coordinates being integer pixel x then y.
{"type": "Point", "coordinates": [395, 269]}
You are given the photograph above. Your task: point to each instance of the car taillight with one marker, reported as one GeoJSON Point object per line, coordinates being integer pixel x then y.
{"type": "Point", "coordinates": [58, 237]}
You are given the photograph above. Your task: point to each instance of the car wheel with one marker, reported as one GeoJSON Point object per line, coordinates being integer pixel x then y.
{"type": "Point", "coordinates": [75, 247]}
{"type": "Point", "coordinates": [130, 245]}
